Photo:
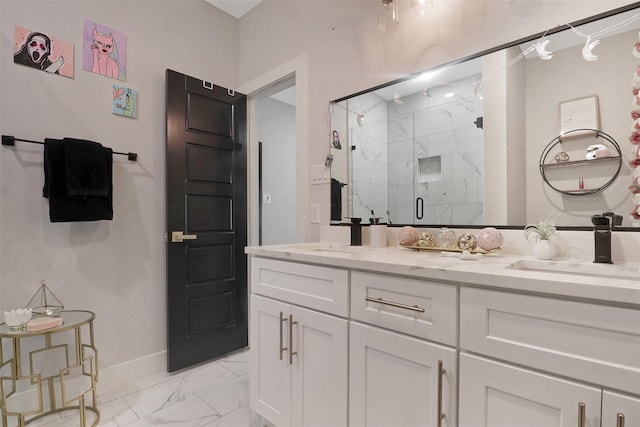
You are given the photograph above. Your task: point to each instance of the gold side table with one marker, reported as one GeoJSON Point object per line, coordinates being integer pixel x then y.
{"type": "Point", "coordinates": [53, 375]}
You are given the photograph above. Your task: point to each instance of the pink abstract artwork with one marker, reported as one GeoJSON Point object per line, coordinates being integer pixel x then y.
{"type": "Point", "coordinates": [104, 51]}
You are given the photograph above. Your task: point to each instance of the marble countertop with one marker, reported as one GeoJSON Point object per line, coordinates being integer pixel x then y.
{"type": "Point", "coordinates": [609, 283]}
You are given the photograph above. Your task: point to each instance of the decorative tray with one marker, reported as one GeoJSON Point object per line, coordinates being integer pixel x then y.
{"type": "Point", "coordinates": [439, 249]}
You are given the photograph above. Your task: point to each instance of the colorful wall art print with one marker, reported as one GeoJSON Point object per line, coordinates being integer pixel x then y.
{"type": "Point", "coordinates": [104, 51]}
{"type": "Point", "coordinates": [125, 101]}
{"type": "Point", "coordinates": [42, 51]}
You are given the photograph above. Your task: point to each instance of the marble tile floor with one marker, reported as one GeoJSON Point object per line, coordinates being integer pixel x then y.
{"type": "Point", "coordinates": [215, 394]}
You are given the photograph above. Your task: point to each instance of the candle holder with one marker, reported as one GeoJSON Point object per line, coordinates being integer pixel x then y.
{"type": "Point", "coordinates": [45, 303]}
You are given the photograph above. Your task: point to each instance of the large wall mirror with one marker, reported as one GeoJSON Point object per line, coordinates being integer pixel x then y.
{"type": "Point", "coordinates": [461, 144]}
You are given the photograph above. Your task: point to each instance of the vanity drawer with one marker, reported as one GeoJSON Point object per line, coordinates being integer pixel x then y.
{"type": "Point", "coordinates": [416, 307]}
{"type": "Point", "coordinates": [586, 341]}
{"type": "Point", "coordinates": [321, 288]}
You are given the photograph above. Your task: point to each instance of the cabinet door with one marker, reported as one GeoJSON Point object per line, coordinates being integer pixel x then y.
{"type": "Point", "coordinates": [319, 369]}
{"type": "Point", "coordinates": [394, 380]}
{"type": "Point", "coordinates": [614, 404]}
{"type": "Point", "coordinates": [493, 394]}
{"type": "Point", "coordinates": [270, 377]}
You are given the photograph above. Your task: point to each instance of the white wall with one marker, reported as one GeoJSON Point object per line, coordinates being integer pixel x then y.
{"type": "Point", "coordinates": [114, 268]}
{"type": "Point", "coordinates": [347, 53]}
{"type": "Point", "coordinates": [276, 131]}
{"type": "Point", "coordinates": [504, 136]}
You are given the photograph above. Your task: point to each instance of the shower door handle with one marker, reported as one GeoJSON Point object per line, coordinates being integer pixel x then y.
{"type": "Point", "coordinates": [419, 208]}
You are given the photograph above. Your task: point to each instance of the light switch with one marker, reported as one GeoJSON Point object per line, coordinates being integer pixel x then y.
{"type": "Point", "coordinates": [314, 214]}
{"type": "Point", "coordinates": [320, 174]}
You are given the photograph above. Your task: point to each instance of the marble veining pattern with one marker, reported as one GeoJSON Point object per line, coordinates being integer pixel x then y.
{"type": "Point", "coordinates": [422, 127]}
{"type": "Point", "coordinates": [215, 394]}
{"type": "Point", "coordinates": [369, 158]}
{"type": "Point", "coordinates": [573, 275]}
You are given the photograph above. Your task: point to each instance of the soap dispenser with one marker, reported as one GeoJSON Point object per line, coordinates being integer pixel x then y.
{"type": "Point", "coordinates": [602, 235]}
{"type": "Point", "coordinates": [356, 232]}
{"type": "Point", "coordinates": [602, 239]}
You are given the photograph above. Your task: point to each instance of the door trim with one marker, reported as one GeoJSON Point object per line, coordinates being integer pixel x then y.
{"type": "Point", "coordinates": [298, 68]}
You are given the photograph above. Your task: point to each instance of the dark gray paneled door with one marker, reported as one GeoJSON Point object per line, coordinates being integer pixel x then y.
{"type": "Point", "coordinates": [206, 220]}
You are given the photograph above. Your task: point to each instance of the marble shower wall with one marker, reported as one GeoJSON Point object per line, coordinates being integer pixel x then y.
{"type": "Point", "coordinates": [436, 153]}
{"type": "Point", "coordinates": [369, 156]}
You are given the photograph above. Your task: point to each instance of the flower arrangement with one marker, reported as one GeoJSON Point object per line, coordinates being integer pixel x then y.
{"type": "Point", "coordinates": [543, 230]}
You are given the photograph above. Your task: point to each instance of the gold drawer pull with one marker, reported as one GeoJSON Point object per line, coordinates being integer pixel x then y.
{"type": "Point", "coordinates": [620, 420]}
{"type": "Point", "coordinates": [291, 352]}
{"type": "Point", "coordinates": [581, 417]}
{"type": "Point", "coordinates": [396, 304]}
{"type": "Point", "coordinates": [282, 349]}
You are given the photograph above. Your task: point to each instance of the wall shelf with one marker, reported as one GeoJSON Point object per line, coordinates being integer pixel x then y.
{"type": "Point", "coordinates": [580, 162]}
{"type": "Point", "coordinates": [548, 153]}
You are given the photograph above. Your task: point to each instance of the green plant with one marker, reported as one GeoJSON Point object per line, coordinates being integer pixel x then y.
{"type": "Point", "coordinates": [542, 230]}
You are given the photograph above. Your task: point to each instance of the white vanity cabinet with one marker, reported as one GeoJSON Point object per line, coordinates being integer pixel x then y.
{"type": "Point", "coordinates": [299, 355]}
{"type": "Point", "coordinates": [574, 353]}
{"type": "Point", "coordinates": [495, 394]}
{"type": "Point", "coordinates": [338, 342]}
{"type": "Point", "coordinates": [397, 377]}
{"type": "Point", "coordinates": [620, 410]}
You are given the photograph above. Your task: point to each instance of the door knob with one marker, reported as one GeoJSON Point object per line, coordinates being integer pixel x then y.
{"type": "Point", "coordinates": [179, 236]}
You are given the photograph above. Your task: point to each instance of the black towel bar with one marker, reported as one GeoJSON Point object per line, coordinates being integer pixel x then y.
{"type": "Point", "coordinates": [10, 140]}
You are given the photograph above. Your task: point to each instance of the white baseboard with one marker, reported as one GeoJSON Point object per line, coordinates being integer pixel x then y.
{"type": "Point", "coordinates": [120, 376]}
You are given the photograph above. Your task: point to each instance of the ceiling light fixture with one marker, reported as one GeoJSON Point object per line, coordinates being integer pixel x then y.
{"type": "Point", "coordinates": [420, 7]}
{"type": "Point", "coordinates": [387, 14]}
{"type": "Point", "coordinates": [541, 50]}
{"type": "Point", "coordinates": [587, 50]}
{"type": "Point", "coordinates": [479, 90]}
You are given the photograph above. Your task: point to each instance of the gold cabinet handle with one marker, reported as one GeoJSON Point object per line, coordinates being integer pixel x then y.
{"type": "Point", "coordinates": [395, 304]}
{"type": "Point", "coordinates": [441, 372]}
{"type": "Point", "coordinates": [282, 349]}
{"type": "Point", "coordinates": [179, 236]}
{"type": "Point", "coordinates": [291, 352]}
{"type": "Point", "coordinates": [620, 420]}
{"type": "Point", "coordinates": [581, 409]}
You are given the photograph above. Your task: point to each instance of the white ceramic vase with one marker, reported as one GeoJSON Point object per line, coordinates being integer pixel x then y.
{"type": "Point", "coordinates": [544, 249]}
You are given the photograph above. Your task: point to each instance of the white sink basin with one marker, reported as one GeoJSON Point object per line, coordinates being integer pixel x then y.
{"type": "Point", "coordinates": [615, 271]}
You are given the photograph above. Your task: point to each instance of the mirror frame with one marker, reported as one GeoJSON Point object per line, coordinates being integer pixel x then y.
{"type": "Point", "coordinates": [558, 29]}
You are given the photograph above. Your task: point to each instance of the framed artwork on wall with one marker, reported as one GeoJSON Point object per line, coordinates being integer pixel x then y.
{"type": "Point", "coordinates": [104, 51]}
{"type": "Point", "coordinates": [43, 51]}
{"type": "Point", "coordinates": [579, 113]}
{"type": "Point", "coordinates": [125, 101]}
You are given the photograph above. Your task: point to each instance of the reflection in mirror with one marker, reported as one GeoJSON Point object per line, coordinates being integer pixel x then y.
{"type": "Point", "coordinates": [461, 144]}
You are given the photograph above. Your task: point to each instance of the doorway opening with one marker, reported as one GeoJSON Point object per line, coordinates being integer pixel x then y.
{"type": "Point", "coordinates": [274, 127]}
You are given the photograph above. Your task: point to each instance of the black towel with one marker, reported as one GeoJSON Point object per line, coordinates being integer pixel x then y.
{"type": "Point", "coordinates": [86, 168]}
{"type": "Point", "coordinates": [336, 200]}
{"type": "Point", "coordinates": [62, 206]}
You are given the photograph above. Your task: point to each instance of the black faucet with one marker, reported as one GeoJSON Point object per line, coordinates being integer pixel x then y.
{"type": "Point", "coordinates": [602, 235]}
